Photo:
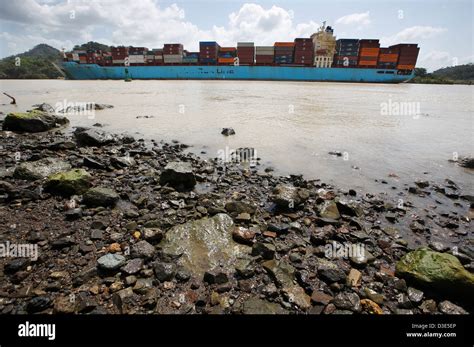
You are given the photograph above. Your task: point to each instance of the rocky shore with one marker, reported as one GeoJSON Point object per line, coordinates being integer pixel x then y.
{"type": "Point", "coordinates": [122, 225]}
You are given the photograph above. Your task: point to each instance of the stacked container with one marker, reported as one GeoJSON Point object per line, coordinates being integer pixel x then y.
{"type": "Point", "coordinates": [304, 51]}
{"type": "Point", "coordinates": [284, 52]}
{"type": "Point", "coordinates": [136, 55]}
{"type": "Point", "coordinates": [265, 55]}
{"type": "Point", "coordinates": [158, 56]}
{"type": "Point", "coordinates": [150, 58]}
{"type": "Point", "coordinates": [246, 53]}
{"type": "Point", "coordinates": [347, 53]}
{"type": "Point", "coordinates": [368, 53]}
{"type": "Point", "coordinates": [173, 53]}
{"type": "Point", "coordinates": [208, 52]}
{"type": "Point", "coordinates": [408, 55]}
{"type": "Point", "coordinates": [388, 58]}
{"type": "Point", "coordinates": [191, 57]}
{"type": "Point", "coordinates": [227, 55]}
{"type": "Point", "coordinates": [119, 54]}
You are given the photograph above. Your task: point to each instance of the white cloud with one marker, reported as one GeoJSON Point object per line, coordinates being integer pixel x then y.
{"type": "Point", "coordinates": [412, 34]}
{"type": "Point", "coordinates": [360, 19]}
{"type": "Point", "coordinates": [142, 22]}
{"type": "Point", "coordinates": [434, 60]}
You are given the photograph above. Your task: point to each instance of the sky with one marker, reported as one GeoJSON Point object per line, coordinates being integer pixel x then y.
{"type": "Point", "coordinates": [442, 28]}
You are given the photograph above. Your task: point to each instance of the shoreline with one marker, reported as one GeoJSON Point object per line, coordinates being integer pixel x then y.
{"type": "Point", "coordinates": [115, 252]}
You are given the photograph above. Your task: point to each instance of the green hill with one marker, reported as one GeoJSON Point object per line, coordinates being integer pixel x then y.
{"type": "Point", "coordinates": [461, 74]}
{"type": "Point", "coordinates": [37, 62]}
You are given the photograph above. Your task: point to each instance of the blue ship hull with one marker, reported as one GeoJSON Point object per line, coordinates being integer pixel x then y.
{"type": "Point", "coordinates": [257, 73]}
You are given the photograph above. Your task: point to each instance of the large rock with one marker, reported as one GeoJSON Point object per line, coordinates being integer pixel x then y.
{"type": "Point", "coordinates": [93, 137]}
{"type": "Point", "coordinates": [437, 271]}
{"type": "Point", "coordinates": [33, 121]}
{"type": "Point", "coordinates": [100, 196]}
{"type": "Point", "coordinates": [259, 306]}
{"type": "Point", "coordinates": [68, 183]}
{"type": "Point", "coordinates": [204, 244]}
{"type": "Point", "coordinates": [329, 210]}
{"type": "Point", "coordinates": [39, 169]}
{"type": "Point", "coordinates": [178, 174]}
{"type": "Point", "coordinates": [287, 196]}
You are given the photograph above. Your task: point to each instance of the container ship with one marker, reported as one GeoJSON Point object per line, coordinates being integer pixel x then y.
{"type": "Point", "coordinates": [320, 57]}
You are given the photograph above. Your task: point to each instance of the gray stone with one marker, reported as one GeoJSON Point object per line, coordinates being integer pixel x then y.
{"type": "Point", "coordinates": [178, 174]}
{"type": "Point", "coordinates": [287, 196]}
{"type": "Point", "coordinates": [111, 261]}
{"type": "Point", "coordinates": [415, 295]}
{"type": "Point", "coordinates": [259, 306]}
{"type": "Point", "coordinates": [100, 196]}
{"type": "Point", "coordinates": [347, 301]}
{"type": "Point", "coordinates": [143, 249]}
{"type": "Point", "coordinates": [133, 266]}
{"type": "Point", "coordinates": [93, 137]}
{"type": "Point", "coordinates": [33, 121]}
{"type": "Point", "coordinates": [164, 271]}
{"type": "Point", "coordinates": [447, 307]}
{"type": "Point", "coordinates": [203, 244]}
{"type": "Point", "coordinates": [265, 250]}
{"type": "Point", "coordinates": [36, 170]}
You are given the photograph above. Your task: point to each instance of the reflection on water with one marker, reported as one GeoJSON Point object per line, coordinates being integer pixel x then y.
{"type": "Point", "coordinates": [292, 125]}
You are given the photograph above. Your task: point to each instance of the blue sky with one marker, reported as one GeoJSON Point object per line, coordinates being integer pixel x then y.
{"type": "Point", "coordinates": [443, 29]}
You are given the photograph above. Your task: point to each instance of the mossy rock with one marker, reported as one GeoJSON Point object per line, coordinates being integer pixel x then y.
{"type": "Point", "coordinates": [33, 121]}
{"type": "Point", "coordinates": [68, 183]}
{"type": "Point", "coordinates": [39, 169]}
{"type": "Point", "coordinates": [441, 272]}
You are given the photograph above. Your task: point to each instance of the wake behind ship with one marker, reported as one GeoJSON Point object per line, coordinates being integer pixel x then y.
{"type": "Point", "coordinates": [318, 58]}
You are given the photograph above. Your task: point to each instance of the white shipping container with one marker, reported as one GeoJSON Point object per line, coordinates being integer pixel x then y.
{"type": "Point", "coordinates": [118, 61]}
{"type": "Point", "coordinates": [136, 59]}
{"type": "Point", "coordinates": [75, 57]}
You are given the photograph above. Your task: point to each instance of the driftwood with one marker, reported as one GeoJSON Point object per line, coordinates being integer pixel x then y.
{"type": "Point", "coordinates": [13, 102]}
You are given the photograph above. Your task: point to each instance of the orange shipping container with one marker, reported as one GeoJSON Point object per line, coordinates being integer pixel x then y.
{"type": "Point", "coordinates": [388, 58]}
{"type": "Point", "coordinates": [368, 62]}
{"type": "Point", "coordinates": [405, 67]}
{"type": "Point", "coordinates": [225, 60]}
{"type": "Point", "coordinates": [284, 44]}
{"type": "Point", "coordinates": [369, 51]}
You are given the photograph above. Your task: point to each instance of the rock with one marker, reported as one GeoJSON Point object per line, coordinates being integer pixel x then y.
{"type": "Point", "coordinates": [228, 131]}
{"type": "Point", "coordinates": [361, 258]}
{"type": "Point", "coordinates": [259, 306]}
{"type": "Point", "coordinates": [93, 138]}
{"type": "Point", "coordinates": [288, 197]}
{"type": "Point", "coordinates": [122, 162]}
{"type": "Point", "coordinates": [64, 305]}
{"type": "Point", "coordinates": [320, 297]}
{"type": "Point", "coordinates": [374, 296]}
{"type": "Point", "coordinates": [370, 307]}
{"type": "Point", "coordinates": [164, 271]}
{"type": "Point", "coordinates": [36, 170]}
{"type": "Point", "coordinates": [347, 301]}
{"type": "Point", "coordinates": [100, 196]}
{"type": "Point", "coordinates": [111, 262]}
{"type": "Point", "coordinates": [178, 174]}
{"type": "Point", "coordinates": [329, 210]}
{"type": "Point", "coordinates": [353, 279]}
{"type": "Point", "coordinates": [243, 235]}
{"type": "Point", "coordinates": [297, 296]}
{"type": "Point", "coordinates": [350, 208]}
{"type": "Point", "coordinates": [143, 285]}
{"type": "Point", "coordinates": [203, 244]}
{"type": "Point", "coordinates": [415, 295]}
{"type": "Point", "coordinates": [93, 164]}
{"type": "Point", "coordinates": [467, 162]}
{"type": "Point", "coordinates": [330, 272]}
{"type": "Point", "coordinates": [245, 267]}
{"type": "Point", "coordinates": [97, 234]}
{"type": "Point", "coordinates": [73, 214]}
{"type": "Point", "coordinates": [16, 265]}
{"type": "Point", "coordinates": [38, 304]}
{"type": "Point", "coordinates": [282, 272]}
{"type": "Point", "coordinates": [68, 183]}
{"type": "Point", "coordinates": [404, 301]}
{"type": "Point", "coordinates": [447, 307]}
{"type": "Point", "coordinates": [33, 121]}
{"type": "Point", "coordinates": [44, 107]}
{"type": "Point", "coordinates": [102, 106]}
{"type": "Point", "coordinates": [143, 249]}
{"type": "Point", "coordinates": [422, 184]}
{"type": "Point", "coordinates": [133, 266]}
{"type": "Point", "coordinates": [438, 271]}
{"type": "Point", "coordinates": [215, 276]}
{"type": "Point", "coordinates": [265, 250]}
{"type": "Point", "coordinates": [238, 207]}
{"type": "Point", "coordinates": [153, 234]}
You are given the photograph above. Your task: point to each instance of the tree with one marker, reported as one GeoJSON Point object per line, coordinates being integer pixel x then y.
{"type": "Point", "coordinates": [420, 72]}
